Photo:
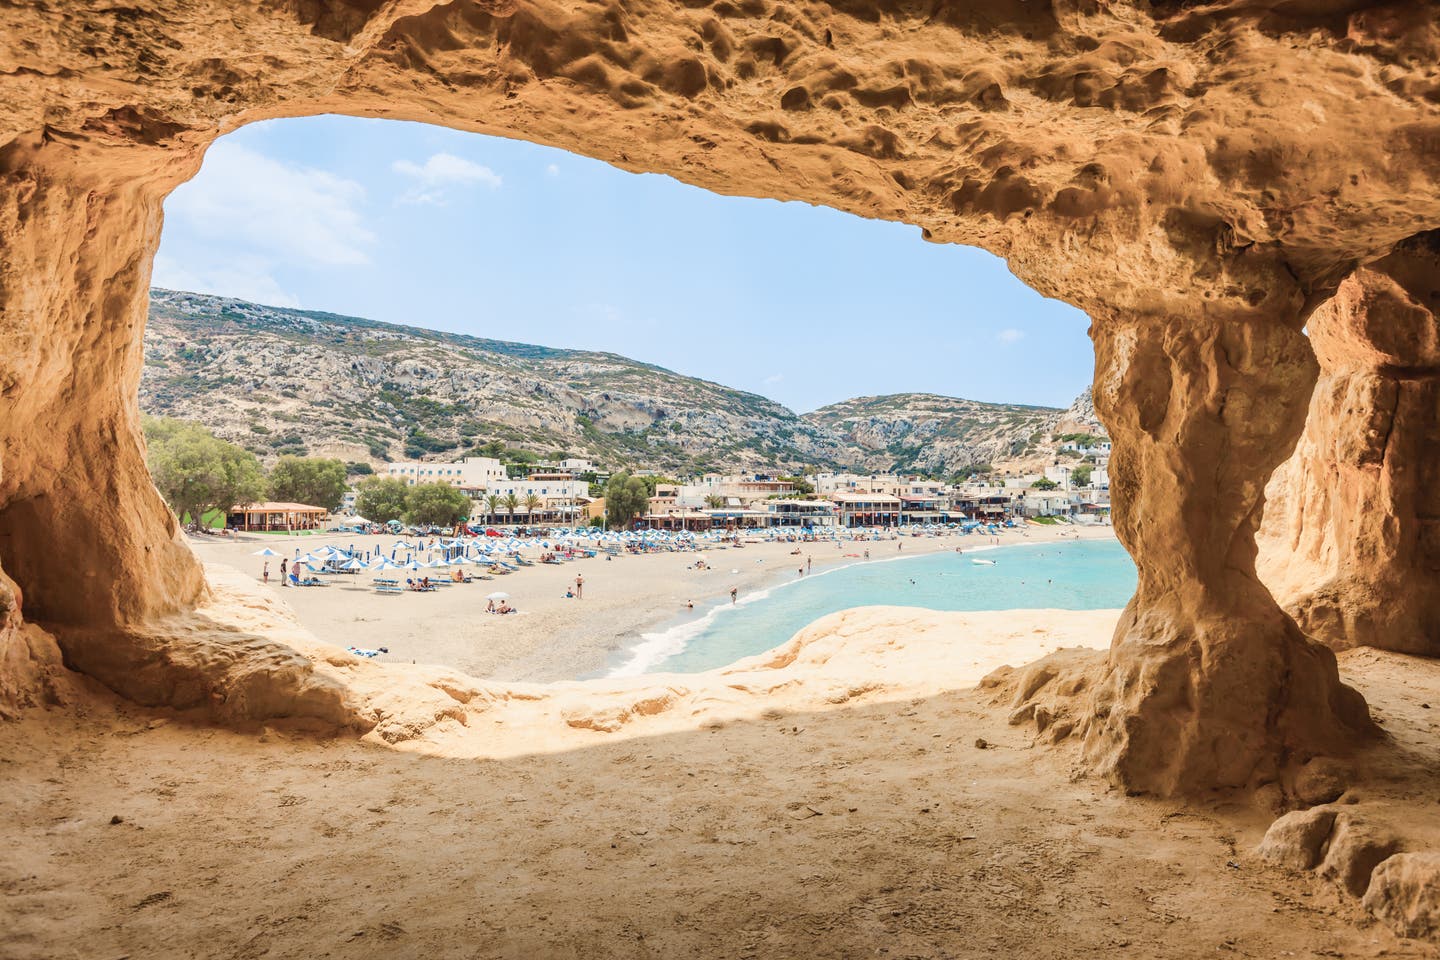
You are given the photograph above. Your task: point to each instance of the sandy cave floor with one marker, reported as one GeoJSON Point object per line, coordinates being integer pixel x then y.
{"type": "Point", "coordinates": [864, 829]}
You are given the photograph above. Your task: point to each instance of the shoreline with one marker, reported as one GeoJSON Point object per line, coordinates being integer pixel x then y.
{"type": "Point", "coordinates": [554, 638]}
{"type": "Point", "coordinates": [672, 637]}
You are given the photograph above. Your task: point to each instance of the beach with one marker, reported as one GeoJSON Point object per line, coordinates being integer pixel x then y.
{"type": "Point", "coordinates": [554, 637]}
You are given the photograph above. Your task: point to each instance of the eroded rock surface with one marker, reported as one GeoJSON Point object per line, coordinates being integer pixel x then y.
{"type": "Point", "coordinates": [1405, 892]}
{"type": "Point", "coordinates": [1351, 539]}
{"type": "Point", "coordinates": [1196, 176]}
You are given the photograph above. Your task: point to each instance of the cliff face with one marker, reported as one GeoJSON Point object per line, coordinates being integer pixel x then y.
{"type": "Point", "coordinates": [1197, 177]}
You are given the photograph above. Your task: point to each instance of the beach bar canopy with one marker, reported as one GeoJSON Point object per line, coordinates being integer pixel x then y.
{"type": "Point", "coordinates": [275, 516]}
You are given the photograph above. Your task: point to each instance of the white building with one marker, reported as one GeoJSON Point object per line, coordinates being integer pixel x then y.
{"type": "Point", "coordinates": [801, 513]}
{"type": "Point", "coordinates": [562, 498]}
{"type": "Point", "coordinates": [891, 483]}
{"type": "Point", "coordinates": [470, 472]}
{"type": "Point", "coordinates": [733, 490]}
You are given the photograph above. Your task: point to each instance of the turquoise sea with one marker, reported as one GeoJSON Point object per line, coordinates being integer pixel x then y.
{"type": "Point", "coordinates": [1085, 575]}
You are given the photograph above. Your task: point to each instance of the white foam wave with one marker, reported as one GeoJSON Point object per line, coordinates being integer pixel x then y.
{"type": "Point", "coordinates": [657, 647]}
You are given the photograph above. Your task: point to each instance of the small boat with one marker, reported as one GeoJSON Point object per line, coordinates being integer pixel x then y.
{"type": "Point", "coordinates": [983, 563]}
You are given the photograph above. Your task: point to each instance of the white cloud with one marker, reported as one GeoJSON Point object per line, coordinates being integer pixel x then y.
{"type": "Point", "coordinates": [1010, 335]}
{"type": "Point", "coordinates": [773, 379]}
{"type": "Point", "coordinates": [291, 213]}
{"type": "Point", "coordinates": [248, 278]}
{"type": "Point", "coordinates": [442, 170]}
{"type": "Point", "coordinates": [553, 170]}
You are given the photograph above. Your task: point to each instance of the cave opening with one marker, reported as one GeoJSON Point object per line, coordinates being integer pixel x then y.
{"type": "Point", "coordinates": [1101, 174]}
{"type": "Point", "coordinates": [764, 312]}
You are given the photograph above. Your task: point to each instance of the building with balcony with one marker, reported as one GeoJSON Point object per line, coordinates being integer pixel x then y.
{"type": "Point", "coordinates": [469, 472]}
{"type": "Point", "coordinates": [801, 513]}
{"type": "Point", "coordinates": [867, 509]}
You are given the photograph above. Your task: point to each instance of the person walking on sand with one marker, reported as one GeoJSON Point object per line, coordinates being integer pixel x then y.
{"type": "Point", "coordinates": [809, 562]}
{"type": "Point", "coordinates": [282, 571]}
{"type": "Point", "coordinates": [733, 592]}
{"type": "Point", "coordinates": [579, 586]}
{"type": "Point", "coordinates": [265, 573]}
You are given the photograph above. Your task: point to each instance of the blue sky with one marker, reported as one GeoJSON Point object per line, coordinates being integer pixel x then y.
{"type": "Point", "coordinates": [435, 228]}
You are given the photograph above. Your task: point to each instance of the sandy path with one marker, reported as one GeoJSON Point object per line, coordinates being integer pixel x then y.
{"type": "Point", "coordinates": [861, 830]}
{"type": "Point", "coordinates": [552, 638]}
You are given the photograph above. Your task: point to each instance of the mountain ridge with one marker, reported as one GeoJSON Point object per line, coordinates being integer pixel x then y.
{"type": "Point", "coordinates": [285, 380]}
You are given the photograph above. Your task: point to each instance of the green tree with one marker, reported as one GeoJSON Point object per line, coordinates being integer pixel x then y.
{"type": "Point", "coordinates": [436, 503]}
{"type": "Point", "coordinates": [802, 486]}
{"type": "Point", "coordinates": [512, 503]}
{"type": "Point", "coordinates": [626, 497]}
{"type": "Point", "coordinates": [197, 472]}
{"type": "Point", "coordinates": [1080, 476]}
{"type": "Point", "coordinates": [493, 503]}
{"type": "Point", "coordinates": [533, 505]}
{"type": "Point", "coordinates": [714, 501]}
{"type": "Point", "coordinates": [356, 468]}
{"type": "Point", "coordinates": [382, 499]}
{"type": "Point", "coordinates": [1044, 483]}
{"type": "Point", "coordinates": [309, 480]}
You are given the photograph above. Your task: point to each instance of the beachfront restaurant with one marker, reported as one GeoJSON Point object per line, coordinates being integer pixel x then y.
{"type": "Point", "coordinates": [692, 520]}
{"type": "Point", "coordinates": [923, 509]}
{"type": "Point", "coordinates": [737, 519]}
{"type": "Point", "coordinates": [867, 509]}
{"type": "Point", "coordinates": [272, 516]}
{"type": "Point", "coordinates": [801, 513]}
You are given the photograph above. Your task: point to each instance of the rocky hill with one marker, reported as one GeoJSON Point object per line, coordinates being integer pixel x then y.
{"type": "Point", "coordinates": [294, 381]}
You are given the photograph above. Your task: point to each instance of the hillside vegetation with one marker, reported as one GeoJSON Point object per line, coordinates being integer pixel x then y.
{"type": "Point", "coordinates": [283, 381]}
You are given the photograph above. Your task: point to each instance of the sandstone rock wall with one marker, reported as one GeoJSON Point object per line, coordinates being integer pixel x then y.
{"type": "Point", "coordinates": [1198, 177]}
{"type": "Point", "coordinates": [1351, 539]}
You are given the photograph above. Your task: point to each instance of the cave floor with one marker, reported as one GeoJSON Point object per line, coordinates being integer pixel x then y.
{"type": "Point", "coordinates": [865, 830]}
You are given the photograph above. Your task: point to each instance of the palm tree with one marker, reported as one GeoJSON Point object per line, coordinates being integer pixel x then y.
{"type": "Point", "coordinates": [714, 501]}
{"type": "Point", "coordinates": [533, 503]}
{"type": "Point", "coordinates": [493, 503]}
{"type": "Point", "coordinates": [512, 502]}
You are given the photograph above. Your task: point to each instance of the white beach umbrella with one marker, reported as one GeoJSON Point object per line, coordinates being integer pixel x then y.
{"type": "Point", "coordinates": [264, 552]}
{"type": "Point", "coordinates": [353, 565]}
{"type": "Point", "coordinates": [498, 595]}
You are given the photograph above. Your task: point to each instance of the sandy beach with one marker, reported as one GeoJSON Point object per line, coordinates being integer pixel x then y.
{"type": "Point", "coordinates": [847, 794]}
{"type": "Point", "coordinates": [555, 638]}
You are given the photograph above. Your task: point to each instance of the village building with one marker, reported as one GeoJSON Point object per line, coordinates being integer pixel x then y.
{"type": "Point", "coordinates": [801, 513]}
{"type": "Point", "coordinates": [274, 516]}
{"type": "Point", "coordinates": [469, 472]}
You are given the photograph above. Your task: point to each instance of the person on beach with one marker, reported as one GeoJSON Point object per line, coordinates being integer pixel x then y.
{"type": "Point", "coordinates": [800, 572]}
{"type": "Point", "coordinates": [265, 573]}
{"type": "Point", "coordinates": [579, 587]}
{"type": "Point", "coordinates": [282, 571]}
{"type": "Point", "coordinates": [733, 592]}
{"type": "Point", "coordinates": [490, 607]}
{"type": "Point", "coordinates": [809, 562]}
